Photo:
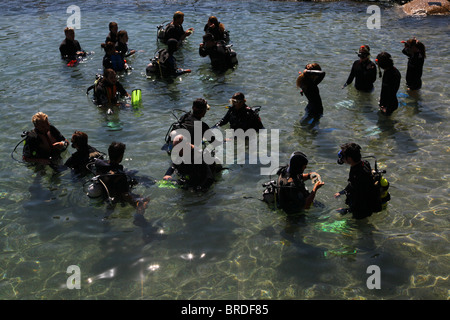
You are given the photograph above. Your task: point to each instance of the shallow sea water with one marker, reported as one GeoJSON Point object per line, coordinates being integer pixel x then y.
{"type": "Point", "coordinates": [225, 243]}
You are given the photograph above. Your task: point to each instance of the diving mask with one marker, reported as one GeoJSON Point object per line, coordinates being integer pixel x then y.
{"type": "Point", "coordinates": [340, 157]}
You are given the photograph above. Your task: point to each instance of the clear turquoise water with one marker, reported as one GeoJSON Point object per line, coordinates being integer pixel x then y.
{"type": "Point", "coordinates": [226, 243]}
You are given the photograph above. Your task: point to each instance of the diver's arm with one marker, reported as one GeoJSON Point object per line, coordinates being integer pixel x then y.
{"type": "Point", "coordinates": [224, 120]}
{"type": "Point", "coordinates": [169, 173]}
{"type": "Point", "coordinates": [312, 195]}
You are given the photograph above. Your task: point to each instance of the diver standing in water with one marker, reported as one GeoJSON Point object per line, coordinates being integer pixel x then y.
{"type": "Point", "coordinates": [292, 195]}
{"type": "Point", "coordinates": [363, 198]}
{"type": "Point", "coordinates": [108, 88]}
{"type": "Point", "coordinates": [364, 71]}
{"type": "Point", "coordinates": [175, 28]}
{"type": "Point", "coordinates": [44, 144]}
{"type": "Point", "coordinates": [115, 180]}
{"type": "Point", "coordinates": [84, 154]}
{"type": "Point", "coordinates": [240, 116]}
{"type": "Point", "coordinates": [70, 48]}
{"type": "Point", "coordinates": [308, 82]}
{"type": "Point", "coordinates": [415, 50]}
{"type": "Point", "coordinates": [390, 83]}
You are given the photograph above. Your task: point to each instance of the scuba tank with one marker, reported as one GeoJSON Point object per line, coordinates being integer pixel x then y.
{"type": "Point", "coordinates": [385, 196]}
{"type": "Point", "coordinates": [381, 185]}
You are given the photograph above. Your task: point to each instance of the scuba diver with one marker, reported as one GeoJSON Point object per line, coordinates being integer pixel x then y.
{"type": "Point", "coordinates": [289, 191]}
{"type": "Point", "coordinates": [415, 50]}
{"type": "Point", "coordinates": [112, 59]}
{"type": "Point", "coordinates": [217, 29]}
{"type": "Point", "coordinates": [113, 182]}
{"type": "Point", "coordinates": [221, 55]}
{"type": "Point", "coordinates": [364, 185]}
{"type": "Point", "coordinates": [390, 84]}
{"type": "Point", "coordinates": [174, 30]}
{"type": "Point", "coordinates": [199, 176]}
{"type": "Point", "coordinates": [107, 89]}
{"type": "Point", "coordinates": [70, 48]}
{"type": "Point", "coordinates": [122, 44]}
{"type": "Point", "coordinates": [240, 116]}
{"type": "Point", "coordinates": [187, 121]}
{"type": "Point", "coordinates": [112, 35]}
{"type": "Point", "coordinates": [44, 144]}
{"type": "Point", "coordinates": [164, 63]}
{"type": "Point", "coordinates": [308, 82]}
{"type": "Point", "coordinates": [84, 155]}
{"type": "Point", "coordinates": [364, 71]}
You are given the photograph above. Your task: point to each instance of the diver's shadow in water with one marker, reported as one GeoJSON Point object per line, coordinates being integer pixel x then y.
{"type": "Point", "coordinates": [336, 263]}
{"type": "Point", "coordinates": [393, 129]}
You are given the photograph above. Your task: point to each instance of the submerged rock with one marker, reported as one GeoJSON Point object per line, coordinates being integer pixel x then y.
{"type": "Point", "coordinates": [427, 7]}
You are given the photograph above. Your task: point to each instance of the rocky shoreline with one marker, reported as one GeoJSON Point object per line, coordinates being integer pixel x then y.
{"type": "Point", "coordinates": [410, 7]}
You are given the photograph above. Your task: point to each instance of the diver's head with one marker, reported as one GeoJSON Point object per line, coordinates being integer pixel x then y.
{"type": "Point", "coordinates": [413, 45]}
{"type": "Point", "coordinates": [113, 27]}
{"type": "Point", "coordinates": [349, 150]}
{"type": "Point", "coordinates": [208, 40]}
{"type": "Point", "coordinates": [116, 151]}
{"type": "Point", "coordinates": [79, 140]}
{"type": "Point", "coordinates": [172, 45]}
{"type": "Point", "coordinates": [302, 77]}
{"type": "Point", "coordinates": [384, 60]}
{"type": "Point", "coordinates": [212, 20]}
{"type": "Point", "coordinates": [237, 100]}
{"type": "Point", "coordinates": [364, 52]}
{"type": "Point", "coordinates": [69, 32]}
{"type": "Point", "coordinates": [178, 18]}
{"type": "Point", "coordinates": [122, 36]}
{"type": "Point", "coordinates": [110, 76]}
{"type": "Point", "coordinates": [297, 163]}
{"type": "Point", "coordinates": [199, 107]}
{"type": "Point", "coordinates": [40, 122]}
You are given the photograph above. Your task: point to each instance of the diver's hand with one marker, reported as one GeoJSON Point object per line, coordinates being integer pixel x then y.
{"type": "Point", "coordinates": [318, 185]}
{"type": "Point", "coordinates": [60, 144]}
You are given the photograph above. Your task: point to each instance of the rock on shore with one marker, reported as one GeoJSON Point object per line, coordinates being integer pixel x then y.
{"type": "Point", "coordinates": [427, 7]}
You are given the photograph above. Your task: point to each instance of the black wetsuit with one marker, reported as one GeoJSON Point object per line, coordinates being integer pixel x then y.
{"type": "Point", "coordinates": [81, 158]}
{"type": "Point", "coordinates": [291, 195]}
{"type": "Point", "coordinates": [107, 94]}
{"type": "Point", "coordinates": [111, 37]}
{"type": "Point", "coordinates": [165, 64]}
{"type": "Point", "coordinates": [35, 147]}
{"type": "Point", "coordinates": [364, 73]}
{"type": "Point", "coordinates": [362, 196]}
{"type": "Point", "coordinates": [194, 175]}
{"type": "Point", "coordinates": [414, 70]}
{"type": "Point", "coordinates": [389, 88]}
{"type": "Point", "coordinates": [122, 48]}
{"type": "Point", "coordinates": [244, 118]}
{"type": "Point", "coordinates": [173, 32]}
{"type": "Point", "coordinates": [69, 49]}
{"type": "Point", "coordinates": [187, 121]}
{"type": "Point", "coordinates": [219, 55]}
{"type": "Point", "coordinates": [314, 109]}
{"type": "Point", "coordinates": [114, 177]}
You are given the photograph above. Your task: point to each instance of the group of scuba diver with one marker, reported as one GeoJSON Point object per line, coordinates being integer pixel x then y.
{"type": "Point", "coordinates": [366, 192]}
